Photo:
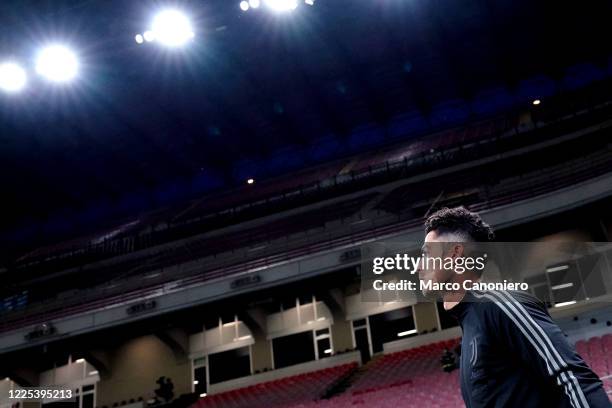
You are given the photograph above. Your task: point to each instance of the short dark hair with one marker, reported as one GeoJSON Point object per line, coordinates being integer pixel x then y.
{"type": "Point", "coordinates": [460, 220]}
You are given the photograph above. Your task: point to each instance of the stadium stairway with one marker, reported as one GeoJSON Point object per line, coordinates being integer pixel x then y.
{"type": "Point", "coordinates": [301, 388]}
{"type": "Point", "coordinates": [411, 378]}
{"type": "Point", "coordinates": [349, 380]}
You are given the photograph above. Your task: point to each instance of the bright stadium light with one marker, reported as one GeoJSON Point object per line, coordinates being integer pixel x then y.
{"type": "Point", "coordinates": [57, 63]}
{"type": "Point", "coordinates": [406, 333]}
{"type": "Point", "coordinates": [282, 5]}
{"type": "Point", "coordinates": [254, 3]}
{"type": "Point", "coordinates": [172, 28]}
{"type": "Point", "coordinates": [148, 36]}
{"type": "Point", "coordinates": [571, 302]}
{"type": "Point", "coordinates": [13, 78]}
{"type": "Point", "coordinates": [537, 102]}
{"type": "Point", "coordinates": [139, 38]}
{"type": "Point", "coordinates": [244, 5]}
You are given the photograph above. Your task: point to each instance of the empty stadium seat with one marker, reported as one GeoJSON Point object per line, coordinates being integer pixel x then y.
{"type": "Point", "coordinates": [324, 148]}
{"type": "Point", "coordinates": [205, 181]}
{"type": "Point", "coordinates": [286, 159]}
{"type": "Point", "coordinates": [407, 124]}
{"type": "Point", "coordinates": [609, 67]}
{"type": "Point", "coordinates": [597, 352]}
{"type": "Point", "coordinates": [449, 113]}
{"type": "Point", "coordinates": [365, 136]}
{"type": "Point", "coordinates": [581, 75]}
{"type": "Point", "coordinates": [536, 87]}
{"type": "Point", "coordinates": [492, 101]}
{"type": "Point", "coordinates": [247, 168]}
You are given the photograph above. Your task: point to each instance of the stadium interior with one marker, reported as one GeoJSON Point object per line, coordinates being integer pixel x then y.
{"type": "Point", "coordinates": [193, 238]}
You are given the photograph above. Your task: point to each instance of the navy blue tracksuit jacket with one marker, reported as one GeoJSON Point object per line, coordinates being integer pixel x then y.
{"type": "Point", "coordinates": [514, 355]}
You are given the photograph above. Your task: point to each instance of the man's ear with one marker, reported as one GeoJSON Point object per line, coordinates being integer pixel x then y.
{"type": "Point", "coordinates": [457, 250]}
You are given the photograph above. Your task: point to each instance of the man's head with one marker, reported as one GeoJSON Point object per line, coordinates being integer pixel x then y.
{"type": "Point", "coordinates": [448, 231]}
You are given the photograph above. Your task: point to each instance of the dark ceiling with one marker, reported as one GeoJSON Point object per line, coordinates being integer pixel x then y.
{"type": "Point", "coordinates": [141, 120]}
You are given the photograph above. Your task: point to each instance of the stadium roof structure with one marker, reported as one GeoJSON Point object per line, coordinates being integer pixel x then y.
{"type": "Point", "coordinates": [255, 92]}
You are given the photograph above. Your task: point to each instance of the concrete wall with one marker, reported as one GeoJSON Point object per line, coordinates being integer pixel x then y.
{"type": "Point", "coordinates": [134, 368]}
{"type": "Point", "coordinates": [341, 335]}
{"type": "Point", "coordinates": [261, 354]}
{"type": "Point", "coordinates": [426, 316]}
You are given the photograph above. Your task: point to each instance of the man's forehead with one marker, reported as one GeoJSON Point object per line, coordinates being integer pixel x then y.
{"type": "Point", "coordinates": [432, 236]}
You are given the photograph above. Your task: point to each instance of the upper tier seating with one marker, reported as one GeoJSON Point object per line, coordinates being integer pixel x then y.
{"type": "Point", "coordinates": [98, 282]}
{"type": "Point", "coordinates": [531, 184]}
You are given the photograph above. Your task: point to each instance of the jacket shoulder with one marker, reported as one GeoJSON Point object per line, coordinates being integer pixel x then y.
{"type": "Point", "coordinates": [494, 303]}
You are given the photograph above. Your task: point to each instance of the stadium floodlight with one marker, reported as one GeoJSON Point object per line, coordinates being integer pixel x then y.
{"type": "Point", "coordinates": [244, 5]}
{"type": "Point", "coordinates": [250, 181]}
{"type": "Point", "coordinates": [13, 78]}
{"type": "Point", "coordinates": [282, 5]}
{"type": "Point", "coordinates": [254, 3]}
{"type": "Point", "coordinates": [57, 63]}
{"type": "Point", "coordinates": [148, 36]}
{"type": "Point", "coordinates": [537, 102]}
{"type": "Point", "coordinates": [172, 28]}
{"type": "Point", "coordinates": [139, 38]}
{"type": "Point", "coordinates": [309, 2]}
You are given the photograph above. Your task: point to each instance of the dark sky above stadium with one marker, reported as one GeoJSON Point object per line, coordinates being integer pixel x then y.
{"type": "Point", "coordinates": [142, 126]}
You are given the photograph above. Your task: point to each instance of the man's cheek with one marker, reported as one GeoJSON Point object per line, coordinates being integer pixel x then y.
{"type": "Point", "coordinates": [437, 276]}
{"type": "Point", "coordinates": [427, 275]}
